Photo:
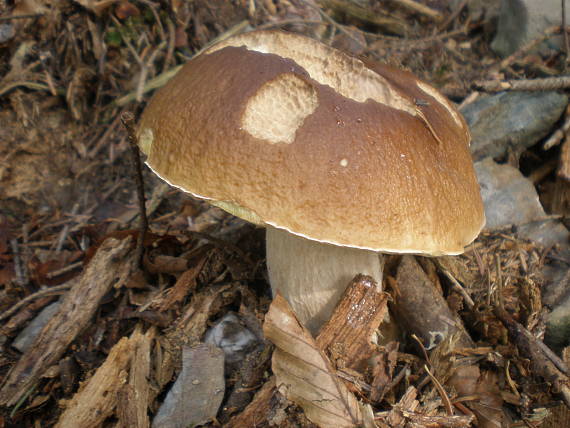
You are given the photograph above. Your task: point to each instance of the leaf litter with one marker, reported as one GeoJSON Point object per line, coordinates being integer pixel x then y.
{"type": "Point", "coordinates": [114, 351]}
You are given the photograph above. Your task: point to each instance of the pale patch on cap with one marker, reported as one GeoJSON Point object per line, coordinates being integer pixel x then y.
{"type": "Point", "coordinates": [347, 75]}
{"type": "Point", "coordinates": [279, 108]}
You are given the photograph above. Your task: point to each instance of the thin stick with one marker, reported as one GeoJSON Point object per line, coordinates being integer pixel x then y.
{"type": "Point", "coordinates": [161, 79]}
{"type": "Point", "coordinates": [566, 42]}
{"type": "Point", "coordinates": [420, 8]}
{"type": "Point", "coordinates": [542, 361]}
{"type": "Point", "coordinates": [128, 120]}
{"type": "Point", "coordinates": [548, 33]}
{"type": "Point", "coordinates": [31, 15]}
{"type": "Point", "coordinates": [19, 265]}
{"type": "Point", "coordinates": [457, 286]}
{"type": "Point", "coordinates": [441, 391]}
{"type": "Point", "coordinates": [559, 134]}
{"type": "Point", "coordinates": [453, 15]}
{"type": "Point", "coordinates": [52, 291]}
{"type": "Point", "coordinates": [545, 84]}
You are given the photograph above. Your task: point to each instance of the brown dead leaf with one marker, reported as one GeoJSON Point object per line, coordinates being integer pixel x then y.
{"type": "Point", "coordinates": [470, 381]}
{"type": "Point", "coordinates": [304, 374]}
{"type": "Point", "coordinates": [126, 9]}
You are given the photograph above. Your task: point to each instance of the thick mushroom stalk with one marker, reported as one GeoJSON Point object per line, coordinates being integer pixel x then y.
{"type": "Point", "coordinates": [312, 276]}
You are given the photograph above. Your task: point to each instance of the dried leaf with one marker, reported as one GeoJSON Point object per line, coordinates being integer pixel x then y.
{"type": "Point", "coordinates": [304, 374]}
{"type": "Point", "coordinates": [126, 9]}
{"type": "Point", "coordinates": [470, 381]}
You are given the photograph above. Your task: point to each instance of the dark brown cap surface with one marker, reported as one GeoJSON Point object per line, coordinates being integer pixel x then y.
{"type": "Point", "coordinates": [283, 130]}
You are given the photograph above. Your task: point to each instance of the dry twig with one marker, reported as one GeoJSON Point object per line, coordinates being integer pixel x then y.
{"type": "Point", "coordinates": [559, 134]}
{"type": "Point", "coordinates": [420, 8]}
{"type": "Point", "coordinates": [548, 33]}
{"type": "Point", "coordinates": [545, 84]}
{"type": "Point", "coordinates": [52, 291]}
{"type": "Point", "coordinates": [531, 347]}
{"type": "Point", "coordinates": [128, 120]}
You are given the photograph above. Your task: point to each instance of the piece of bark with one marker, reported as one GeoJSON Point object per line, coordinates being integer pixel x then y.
{"type": "Point", "coordinates": [98, 397]}
{"type": "Point", "coordinates": [111, 264]}
{"type": "Point", "coordinates": [560, 198]}
{"type": "Point", "coordinates": [133, 411]}
{"type": "Point", "coordinates": [408, 402]}
{"type": "Point", "coordinates": [304, 373]}
{"type": "Point", "coordinates": [183, 286]}
{"type": "Point", "coordinates": [422, 309]}
{"type": "Point", "coordinates": [354, 321]}
{"type": "Point", "coordinates": [383, 364]}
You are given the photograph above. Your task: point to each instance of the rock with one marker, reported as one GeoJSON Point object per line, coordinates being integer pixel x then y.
{"type": "Point", "coordinates": [556, 295]}
{"type": "Point", "coordinates": [232, 337]}
{"type": "Point", "coordinates": [558, 326]}
{"type": "Point", "coordinates": [521, 21]}
{"type": "Point", "coordinates": [29, 334]}
{"type": "Point", "coordinates": [511, 199]}
{"type": "Point", "coordinates": [511, 119]}
{"type": "Point", "coordinates": [195, 397]}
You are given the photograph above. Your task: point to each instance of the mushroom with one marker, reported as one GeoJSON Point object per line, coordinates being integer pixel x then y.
{"type": "Point", "coordinates": [340, 158]}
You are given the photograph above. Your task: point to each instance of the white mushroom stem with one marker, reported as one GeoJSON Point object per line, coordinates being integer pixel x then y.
{"type": "Point", "coordinates": [312, 276]}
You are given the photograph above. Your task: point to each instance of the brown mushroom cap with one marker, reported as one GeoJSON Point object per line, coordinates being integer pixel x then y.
{"type": "Point", "coordinates": [283, 130]}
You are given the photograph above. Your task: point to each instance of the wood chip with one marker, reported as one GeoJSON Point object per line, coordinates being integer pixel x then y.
{"type": "Point", "coordinates": [98, 397]}
{"type": "Point", "coordinates": [355, 320]}
{"type": "Point", "coordinates": [110, 265]}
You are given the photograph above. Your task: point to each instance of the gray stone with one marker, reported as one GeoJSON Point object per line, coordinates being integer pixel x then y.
{"type": "Point", "coordinates": [511, 199]}
{"type": "Point", "coordinates": [511, 119]}
{"type": "Point", "coordinates": [521, 21]}
{"type": "Point", "coordinates": [557, 335]}
{"type": "Point", "coordinates": [29, 334]}
{"type": "Point", "coordinates": [232, 337]}
{"type": "Point", "coordinates": [195, 397]}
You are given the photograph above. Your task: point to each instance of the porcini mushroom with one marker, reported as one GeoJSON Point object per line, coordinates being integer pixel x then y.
{"type": "Point", "coordinates": [339, 158]}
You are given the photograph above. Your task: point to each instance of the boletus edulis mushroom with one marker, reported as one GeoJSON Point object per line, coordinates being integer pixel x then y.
{"type": "Point", "coordinates": [341, 159]}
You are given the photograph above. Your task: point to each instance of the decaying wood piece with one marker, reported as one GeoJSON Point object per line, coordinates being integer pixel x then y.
{"type": "Point", "coordinates": [422, 309]}
{"type": "Point", "coordinates": [529, 347]}
{"type": "Point", "coordinates": [111, 264]}
{"type": "Point", "coordinates": [137, 394]}
{"type": "Point", "coordinates": [303, 372]}
{"type": "Point", "coordinates": [98, 397]}
{"type": "Point", "coordinates": [354, 321]}
{"type": "Point", "coordinates": [561, 191]}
